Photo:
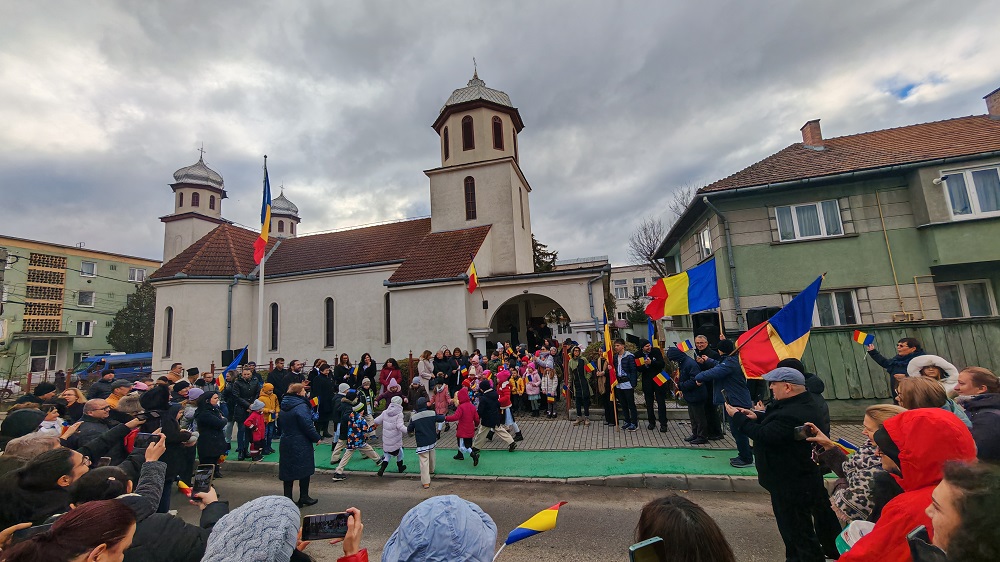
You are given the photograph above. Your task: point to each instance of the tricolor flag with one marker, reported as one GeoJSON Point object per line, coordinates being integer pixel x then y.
{"type": "Point", "coordinates": [846, 446]}
{"type": "Point", "coordinates": [864, 338]}
{"type": "Point", "coordinates": [260, 244]}
{"type": "Point", "coordinates": [509, 350]}
{"type": "Point", "coordinates": [473, 278]}
{"type": "Point", "coordinates": [550, 398]}
{"type": "Point", "coordinates": [356, 370]}
{"type": "Point", "coordinates": [689, 292]}
{"type": "Point", "coordinates": [660, 379]}
{"type": "Point", "coordinates": [609, 354]}
{"type": "Point", "coordinates": [184, 488]}
{"type": "Point", "coordinates": [221, 380]}
{"type": "Point", "coordinates": [539, 523]}
{"type": "Point", "coordinates": [685, 346]}
{"type": "Point", "coordinates": [589, 367]}
{"type": "Point", "coordinates": [651, 329]}
{"type": "Point", "coordinates": [314, 401]}
{"type": "Point", "coordinates": [783, 336]}
{"type": "Point", "coordinates": [464, 371]}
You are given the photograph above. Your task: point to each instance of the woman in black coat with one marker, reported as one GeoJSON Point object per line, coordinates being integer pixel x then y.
{"type": "Point", "coordinates": [295, 450]}
{"type": "Point", "coordinates": [367, 369]}
{"type": "Point", "coordinates": [210, 422]}
{"type": "Point", "coordinates": [321, 386]}
{"type": "Point", "coordinates": [174, 456]}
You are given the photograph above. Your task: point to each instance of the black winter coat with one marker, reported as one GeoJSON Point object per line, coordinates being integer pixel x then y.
{"type": "Point", "coordinates": [99, 389]}
{"type": "Point", "coordinates": [91, 429]}
{"type": "Point", "coordinates": [211, 434]}
{"type": "Point", "coordinates": [279, 380]}
{"type": "Point", "coordinates": [655, 367]}
{"type": "Point", "coordinates": [689, 369]}
{"type": "Point", "coordinates": [298, 434]}
{"type": "Point", "coordinates": [489, 409]}
{"type": "Point", "coordinates": [816, 386]}
{"type": "Point", "coordinates": [239, 394]}
{"type": "Point", "coordinates": [322, 387]}
{"type": "Point", "coordinates": [984, 412]}
{"type": "Point", "coordinates": [784, 464]}
{"type": "Point", "coordinates": [581, 386]}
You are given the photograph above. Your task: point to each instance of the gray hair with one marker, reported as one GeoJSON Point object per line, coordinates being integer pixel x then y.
{"type": "Point", "coordinates": [29, 446]}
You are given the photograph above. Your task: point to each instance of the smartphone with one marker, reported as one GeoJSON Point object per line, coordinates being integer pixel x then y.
{"type": "Point", "coordinates": [142, 440]}
{"type": "Point", "coordinates": [725, 397]}
{"type": "Point", "coordinates": [105, 461]}
{"type": "Point", "coordinates": [203, 479]}
{"type": "Point", "coordinates": [646, 551]}
{"type": "Point", "coordinates": [802, 432]}
{"type": "Point", "coordinates": [324, 526]}
{"type": "Point", "coordinates": [25, 534]}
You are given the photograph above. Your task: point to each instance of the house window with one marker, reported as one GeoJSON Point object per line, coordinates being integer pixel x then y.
{"type": "Point", "coordinates": [621, 290]}
{"type": "Point", "coordinates": [180, 199]}
{"type": "Point", "coordinates": [703, 241]}
{"type": "Point", "coordinates": [965, 299]}
{"type": "Point", "coordinates": [328, 322]}
{"type": "Point", "coordinates": [447, 144]}
{"type": "Point", "coordinates": [468, 141]}
{"type": "Point", "coordinates": [85, 298]}
{"type": "Point", "coordinates": [211, 202]}
{"type": "Point", "coordinates": [497, 133]}
{"type": "Point", "coordinates": [112, 267]}
{"type": "Point", "coordinates": [136, 274]}
{"type": "Point", "coordinates": [85, 329]}
{"type": "Point", "coordinates": [470, 198]}
{"type": "Point", "coordinates": [514, 135]}
{"type": "Point", "coordinates": [974, 192]}
{"type": "Point", "coordinates": [88, 269]}
{"type": "Point", "coordinates": [168, 330]}
{"type": "Point", "coordinates": [274, 326]}
{"type": "Point", "coordinates": [388, 320]}
{"type": "Point", "coordinates": [281, 226]}
{"type": "Point", "coordinates": [812, 220]}
{"type": "Point", "coordinates": [195, 199]}
{"type": "Point", "coordinates": [623, 315]}
{"type": "Point", "coordinates": [836, 308]}
{"type": "Point", "coordinates": [638, 290]}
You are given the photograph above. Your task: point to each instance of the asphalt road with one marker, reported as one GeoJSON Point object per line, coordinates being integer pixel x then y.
{"type": "Point", "coordinates": [596, 525]}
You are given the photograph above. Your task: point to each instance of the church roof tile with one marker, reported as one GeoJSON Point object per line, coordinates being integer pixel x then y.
{"type": "Point", "coordinates": [441, 255]}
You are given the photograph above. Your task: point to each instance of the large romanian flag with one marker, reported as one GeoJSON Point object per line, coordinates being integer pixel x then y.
{"type": "Point", "coordinates": [689, 292]}
{"type": "Point", "coordinates": [260, 244]}
{"type": "Point", "coordinates": [783, 336]}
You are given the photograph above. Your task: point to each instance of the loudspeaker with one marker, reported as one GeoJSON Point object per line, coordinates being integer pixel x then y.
{"type": "Point", "coordinates": [707, 324]}
{"type": "Point", "coordinates": [229, 354]}
{"type": "Point", "coordinates": [760, 314]}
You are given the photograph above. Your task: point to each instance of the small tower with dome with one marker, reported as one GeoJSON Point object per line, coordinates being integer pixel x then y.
{"type": "Point", "coordinates": [284, 217]}
{"type": "Point", "coordinates": [198, 194]}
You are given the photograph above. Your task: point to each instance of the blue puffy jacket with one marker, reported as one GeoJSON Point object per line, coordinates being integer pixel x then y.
{"type": "Point", "coordinates": [689, 369]}
{"type": "Point", "coordinates": [295, 450]}
{"type": "Point", "coordinates": [727, 375]}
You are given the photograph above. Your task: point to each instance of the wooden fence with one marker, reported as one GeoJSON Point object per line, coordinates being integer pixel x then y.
{"type": "Point", "coordinates": [853, 380]}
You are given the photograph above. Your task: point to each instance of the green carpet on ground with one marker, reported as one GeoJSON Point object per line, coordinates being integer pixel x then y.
{"type": "Point", "coordinates": [558, 464]}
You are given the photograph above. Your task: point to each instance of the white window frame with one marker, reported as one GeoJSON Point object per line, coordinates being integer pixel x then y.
{"type": "Point", "coordinates": [621, 292]}
{"type": "Point", "coordinates": [703, 240]}
{"type": "Point", "coordinates": [638, 280]}
{"type": "Point", "coordinates": [82, 269]}
{"type": "Point", "coordinates": [93, 297]}
{"type": "Point", "coordinates": [136, 274]}
{"type": "Point", "coordinates": [639, 290]}
{"type": "Point", "coordinates": [620, 282]}
{"type": "Point", "coordinates": [838, 321]}
{"type": "Point", "coordinates": [822, 220]}
{"type": "Point", "coordinates": [970, 191]}
{"type": "Point", "coordinates": [622, 315]}
{"type": "Point", "coordinates": [87, 328]}
{"type": "Point", "coordinates": [963, 299]}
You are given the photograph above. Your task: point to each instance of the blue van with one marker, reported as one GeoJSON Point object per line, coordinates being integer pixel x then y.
{"type": "Point", "coordinates": [128, 366]}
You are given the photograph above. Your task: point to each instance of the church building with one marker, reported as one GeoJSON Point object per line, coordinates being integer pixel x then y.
{"type": "Point", "coordinates": [388, 289]}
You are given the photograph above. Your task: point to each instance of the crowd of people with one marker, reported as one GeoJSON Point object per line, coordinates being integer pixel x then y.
{"type": "Point", "coordinates": [925, 480]}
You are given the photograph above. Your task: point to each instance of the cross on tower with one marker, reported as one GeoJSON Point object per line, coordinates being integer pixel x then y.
{"type": "Point", "coordinates": [202, 151]}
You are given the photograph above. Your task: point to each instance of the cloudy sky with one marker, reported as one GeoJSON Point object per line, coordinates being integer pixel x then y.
{"type": "Point", "coordinates": [623, 102]}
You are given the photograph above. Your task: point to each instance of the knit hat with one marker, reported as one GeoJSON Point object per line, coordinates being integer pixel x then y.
{"type": "Point", "coordinates": [181, 386]}
{"type": "Point", "coordinates": [140, 386]}
{"type": "Point", "coordinates": [43, 388]}
{"type": "Point", "coordinates": [725, 347]}
{"type": "Point", "coordinates": [396, 400]}
{"type": "Point", "coordinates": [261, 530]}
{"type": "Point", "coordinates": [366, 382]}
{"type": "Point", "coordinates": [351, 394]}
{"type": "Point", "coordinates": [442, 528]}
{"type": "Point", "coordinates": [343, 388]}
{"type": "Point", "coordinates": [421, 403]}
{"type": "Point", "coordinates": [194, 393]}
{"type": "Point", "coordinates": [485, 385]}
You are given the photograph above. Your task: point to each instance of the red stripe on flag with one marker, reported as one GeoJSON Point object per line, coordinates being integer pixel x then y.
{"type": "Point", "coordinates": [655, 308]}
{"type": "Point", "coordinates": [259, 245]}
{"type": "Point", "coordinates": [757, 353]}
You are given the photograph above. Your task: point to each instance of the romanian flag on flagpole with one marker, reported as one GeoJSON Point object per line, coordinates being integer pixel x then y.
{"type": "Point", "coordinates": [783, 336]}
{"type": "Point", "coordinates": [651, 332]}
{"type": "Point", "coordinates": [863, 338]}
{"type": "Point", "coordinates": [539, 523]}
{"type": "Point", "coordinates": [685, 346]}
{"type": "Point", "coordinates": [689, 292]}
{"type": "Point", "coordinates": [260, 244]}
{"type": "Point", "coordinates": [609, 354]}
{"type": "Point", "coordinates": [473, 278]}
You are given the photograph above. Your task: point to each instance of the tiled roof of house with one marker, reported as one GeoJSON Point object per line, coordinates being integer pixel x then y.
{"type": "Point", "coordinates": [228, 250]}
{"type": "Point", "coordinates": [962, 136]}
{"type": "Point", "coordinates": [441, 255]}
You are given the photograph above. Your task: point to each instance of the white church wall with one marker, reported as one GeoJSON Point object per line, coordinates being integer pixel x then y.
{"type": "Point", "coordinates": [199, 322]}
{"type": "Point", "coordinates": [482, 123]}
{"type": "Point", "coordinates": [429, 316]}
{"type": "Point", "coordinates": [521, 227]}
{"type": "Point", "coordinates": [570, 294]}
{"type": "Point", "coordinates": [180, 234]}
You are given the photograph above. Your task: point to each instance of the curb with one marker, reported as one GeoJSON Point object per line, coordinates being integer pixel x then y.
{"type": "Point", "coordinates": [688, 482]}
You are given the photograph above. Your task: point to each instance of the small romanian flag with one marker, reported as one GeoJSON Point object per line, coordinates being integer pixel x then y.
{"type": "Point", "coordinates": [509, 350]}
{"type": "Point", "coordinates": [473, 278]}
{"type": "Point", "coordinates": [589, 367]}
{"type": "Point", "coordinates": [314, 401]}
{"type": "Point", "coordinates": [464, 372]}
{"type": "Point", "coordinates": [539, 523]}
{"type": "Point", "coordinates": [863, 338]}
{"type": "Point", "coordinates": [550, 398]}
{"type": "Point", "coordinates": [846, 446]}
{"type": "Point", "coordinates": [184, 488]}
{"type": "Point", "coordinates": [356, 370]}
{"type": "Point", "coordinates": [685, 346]}
{"type": "Point", "coordinates": [660, 379]}
{"type": "Point", "coordinates": [220, 382]}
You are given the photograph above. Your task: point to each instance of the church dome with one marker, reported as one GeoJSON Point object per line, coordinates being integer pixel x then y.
{"type": "Point", "coordinates": [282, 206]}
{"type": "Point", "coordinates": [199, 174]}
{"type": "Point", "coordinates": [477, 90]}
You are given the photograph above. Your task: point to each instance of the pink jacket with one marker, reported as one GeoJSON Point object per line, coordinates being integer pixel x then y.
{"type": "Point", "coordinates": [532, 382]}
{"type": "Point", "coordinates": [441, 400]}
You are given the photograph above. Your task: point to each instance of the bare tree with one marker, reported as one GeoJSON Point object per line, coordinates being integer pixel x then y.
{"type": "Point", "coordinates": [650, 232]}
{"type": "Point", "coordinates": [679, 202]}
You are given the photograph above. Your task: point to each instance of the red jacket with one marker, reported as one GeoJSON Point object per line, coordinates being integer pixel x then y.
{"type": "Point", "coordinates": [927, 438]}
{"type": "Point", "coordinates": [359, 556]}
{"type": "Point", "coordinates": [256, 421]}
{"type": "Point", "coordinates": [466, 416]}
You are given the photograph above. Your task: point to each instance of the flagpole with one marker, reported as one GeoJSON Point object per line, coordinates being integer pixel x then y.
{"type": "Point", "coordinates": [260, 295]}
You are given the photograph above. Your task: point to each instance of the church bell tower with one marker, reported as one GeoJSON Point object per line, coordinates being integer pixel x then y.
{"type": "Point", "coordinates": [198, 194]}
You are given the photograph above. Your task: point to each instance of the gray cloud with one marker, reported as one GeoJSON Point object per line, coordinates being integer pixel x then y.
{"type": "Point", "coordinates": [623, 102]}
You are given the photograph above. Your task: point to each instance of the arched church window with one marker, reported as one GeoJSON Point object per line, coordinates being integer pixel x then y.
{"type": "Point", "coordinates": [211, 202]}
{"type": "Point", "coordinates": [470, 198]}
{"type": "Point", "coordinates": [281, 226]}
{"type": "Point", "coordinates": [497, 133]}
{"type": "Point", "coordinates": [328, 322]}
{"type": "Point", "coordinates": [468, 140]}
{"type": "Point", "coordinates": [447, 145]}
{"type": "Point", "coordinates": [180, 199]}
{"type": "Point", "coordinates": [388, 323]}
{"type": "Point", "coordinates": [291, 227]}
{"type": "Point", "coordinates": [168, 330]}
{"type": "Point", "coordinates": [195, 199]}
{"type": "Point", "coordinates": [274, 326]}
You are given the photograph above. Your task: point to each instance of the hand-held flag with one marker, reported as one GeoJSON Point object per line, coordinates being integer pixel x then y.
{"type": "Point", "coordinates": [464, 372]}
{"type": "Point", "coordinates": [221, 380]}
{"type": "Point", "coordinates": [864, 338]}
{"type": "Point", "coordinates": [660, 379]}
{"type": "Point", "coordinates": [260, 244]}
{"type": "Point", "coordinates": [783, 336]}
{"type": "Point", "coordinates": [691, 291]}
{"type": "Point", "coordinates": [314, 401]}
{"type": "Point", "coordinates": [540, 522]}
{"type": "Point", "coordinates": [184, 488]}
{"type": "Point", "coordinates": [651, 333]}
{"type": "Point", "coordinates": [685, 346]}
{"type": "Point", "coordinates": [473, 278]}
{"type": "Point", "coordinates": [589, 367]}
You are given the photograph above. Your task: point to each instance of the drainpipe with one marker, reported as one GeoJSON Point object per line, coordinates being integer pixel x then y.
{"type": "Point", "coordinates": [732, 264]}
{"type": "Point", "coordinates": [229, 312]}
{"type": "Point", "coordinates": [590, 294]}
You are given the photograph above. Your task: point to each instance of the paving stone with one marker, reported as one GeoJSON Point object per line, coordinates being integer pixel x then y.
{"type": "Point", "coordinates": [625, 481]}
{"type": "Point", "coordinates": [588, 480]}
{"type": "Point", "coordinates": [666, 481]}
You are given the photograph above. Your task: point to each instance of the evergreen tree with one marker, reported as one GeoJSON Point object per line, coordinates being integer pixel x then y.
{"type": "Point", "coordinates": [637, 311]}
{"type": "Point", "coordinates": [544, 259]}
{"type": "Point", "coordinates": [132, 331]}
